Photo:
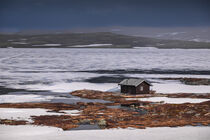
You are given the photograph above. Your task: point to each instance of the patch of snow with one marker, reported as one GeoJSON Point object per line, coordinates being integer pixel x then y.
{"type": "Point", "coordinates": [160, 44]}
{"type": "Point", "coordinates": [196, 40]}
{"type": "Point", "coordinates": [91, 45]}
{"type": "Point", "coordinates": [23, 114]}
{"type": "Point", "coordinates": [167, 76]}
{"type": "Point", "coordinates": [199, 40]}
{"type": "Point", "coordinates": [22, 132]}
{"type": "Point", "coordinates": [23, 39]}
{"type": "Point", "coordinates": [68, 87]}
{"type": "Point", "coordinates": [71, 112]}
{"type": "Point", "coordinates": [179, 88]}
{"type": "Point", "coordinates": [170, 100]}
{"type": "Point", "coordinates": [20, 43]}
{"type": "Point", "coordinates": [47, 45]}
{"type": "Point", "coordinates": [25, 98]}
{"type": "Point", "coordinates": [176, 33]}
{"type": "Point", "coordinates": [145, 48]}
{"type": "Point", "coordinates": [170, 34]}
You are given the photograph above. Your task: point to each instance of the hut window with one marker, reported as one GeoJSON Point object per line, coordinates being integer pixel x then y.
{"type": "Point", "coordinates": [141, 88]}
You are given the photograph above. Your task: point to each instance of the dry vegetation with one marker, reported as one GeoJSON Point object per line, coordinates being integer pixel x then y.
{"type": "Point", "coordinates": [156, 115]}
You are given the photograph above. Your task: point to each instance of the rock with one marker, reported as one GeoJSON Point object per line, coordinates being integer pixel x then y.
{"type": "Point", "coordinates": [207, 114]}
{"type": "Point", "coordinates": [190, 112]}
{"type": "Point", "coordinates": [154, 114]}
{"type": "Point", "coordinates": [162, 114]}
{"type": "Point", "coordinates": [102, 122]}
{"type": "Point", "coordinates": [85, 121]}
{"type": "Point", "coordinates": [161, 102]}
{"type": "Point", "coordinates": [197, 115]}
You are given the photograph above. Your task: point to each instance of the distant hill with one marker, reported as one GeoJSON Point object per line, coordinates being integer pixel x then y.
{"type": "Point", "coordinates": [92, 40]}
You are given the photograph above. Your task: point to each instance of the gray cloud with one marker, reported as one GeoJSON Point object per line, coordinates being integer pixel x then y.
{"type": "Point", "coordinates": [61, 14]}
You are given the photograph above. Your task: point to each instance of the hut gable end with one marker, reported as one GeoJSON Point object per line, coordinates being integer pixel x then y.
{"type": "Point", "coordinates": [135, 86]}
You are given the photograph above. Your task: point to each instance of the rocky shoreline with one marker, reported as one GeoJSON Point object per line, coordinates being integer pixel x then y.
{"type": "Point", "coordinates": [119, 113]}
{"type": "Point", "coordinates": [191, 81]}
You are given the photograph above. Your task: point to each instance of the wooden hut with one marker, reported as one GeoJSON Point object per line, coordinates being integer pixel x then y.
{"type": "Point", "coordinates": [135, 86]}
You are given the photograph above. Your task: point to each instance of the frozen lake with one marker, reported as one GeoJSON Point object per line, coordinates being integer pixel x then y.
{"type": "Point", "coordinates": [64, 70]}
{"type": "Point", "coordinates": [52, 73]}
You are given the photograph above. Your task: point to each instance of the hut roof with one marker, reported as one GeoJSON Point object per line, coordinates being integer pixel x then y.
{"type": "Point", "coordinates": [133, 82]}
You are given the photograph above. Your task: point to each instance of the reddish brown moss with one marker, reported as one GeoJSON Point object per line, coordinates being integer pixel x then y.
{"type": "Point", "coordinates": [157, 115]}
{"type": "Point", "coordinates": [13, 122]}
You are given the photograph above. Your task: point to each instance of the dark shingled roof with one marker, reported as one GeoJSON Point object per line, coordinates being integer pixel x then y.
{"type": "Point", "coordinates": [133, 82]}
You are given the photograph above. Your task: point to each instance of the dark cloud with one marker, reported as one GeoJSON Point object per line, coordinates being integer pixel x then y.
{"type": "Point", "coordinates": [61, 14]}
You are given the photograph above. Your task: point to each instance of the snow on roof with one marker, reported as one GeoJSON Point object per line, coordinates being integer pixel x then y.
{"type": "Point", "coordinates": [133, 82]}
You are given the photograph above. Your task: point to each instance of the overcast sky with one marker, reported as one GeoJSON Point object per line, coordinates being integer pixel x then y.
{"type": "Point", "coordinates": [67, 14]}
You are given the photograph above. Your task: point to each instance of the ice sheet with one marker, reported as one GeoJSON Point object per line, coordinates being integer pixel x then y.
{"type": "Point", "coordinates": [24, 98]}
{"type": "Point", "coordinates": [45, 68]}
{"type": "Point", "coordinates": [91, 45]}
{"type": "Point", "coordinates": [171, 100]}
{"type": "Point", "coordinates": [51, 133]}
{"type": "Point", "coordinates": [68, 87]}
{"type": "Point", "coordinates": [180, 88]}
{"type": "Point", "coordinates": [23, 114]}
{"type": "Point", "coordinates": [48, 45]}
{"type": "Point", "coordinates": [71, 112]}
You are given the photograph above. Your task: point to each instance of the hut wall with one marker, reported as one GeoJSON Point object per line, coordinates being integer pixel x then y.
{"type": "Point", "coordinates": [128, 89]}
{"type": "Point", "coordinates": [143, 88]}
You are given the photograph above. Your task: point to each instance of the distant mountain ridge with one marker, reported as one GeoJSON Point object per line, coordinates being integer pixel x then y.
{"type": "Point", "coordinates": [92, 40]}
